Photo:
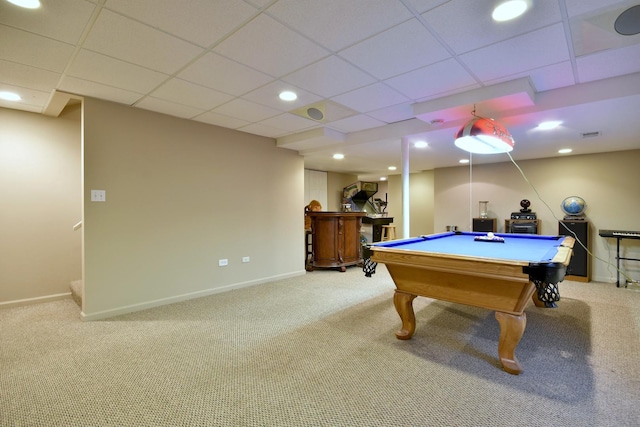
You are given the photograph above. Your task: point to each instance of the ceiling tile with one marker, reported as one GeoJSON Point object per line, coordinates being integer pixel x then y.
{"type": "Point", "coordinates": [217, 72]}
{"type": "Point", "coordinates": [113, 72]}
{"type": "Point", "coordinates": [529, 51]}
{"type": "Point", "coordinates": [221, 120]}
{"type": "Point", "coordinates": [315, 138]}
{"type": "Point", "coordinates": [355, 123]}
{"type": "Point", "coordinates": [395, 113]}
{"type": "Point", "coordinates": [422, 6]}
{"type": "Point", "coordinates": [438, 78]}
{"type": "Point", "coordinates": [579, 7]}
{"type": "Point", "coordinates": [372, 97]}
{"type": "Point", "coordinates": [191, 94]}
{"type": "Point", "coordinates": [131, 41]}
{"type": "Point", "coordinates": [398, 50]}
{"type": "Point", "coordinates": [475, 28]}
{"type": "Point", "coordinates": [270, 47]}
{"type": "Point", "coordinates": [199, 21]}
{"type": "Point", "coordinates": [259, 3]}
{"type": "Point", "coordinates": [246, 110]}
{"type": "Point", "coordinates": [30, 49]}
{"type": "Point", "coordinates": [263, 130]}
{"type": "Point", "coordinates": [32, 100]}
{"type": "Point", "coordinates": [609, 63]}
{"type": "Point", "coordinates": [166, 107]}
{"type": "Point", "coordinates": [356, 20]}
{"type": "Point", "coordinates": [21, 107]}
{"type": "Point", "coordinates": [97, 90]}
{"type": "Point", "coordinates": [329, 77]}
{"type": "Point", "coordinates": [28, 77]}
{"type": "Point", "coordinates": [339, 55]}
{"type": "Point", "coordinates": [289, 122]}
{"type": "Point", "coordinates": [544, 78]}
{"type": "Point", "coordinates": [268, 95]}
{"type": "Point", "coordinates": [74, 14]}
{"type": "Point", "coordinates": [595, 32]}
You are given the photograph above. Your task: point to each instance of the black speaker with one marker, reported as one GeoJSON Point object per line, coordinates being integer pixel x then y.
{"type": "Point", "coordinates": [579, 265]}
{"type": "Point", "coordinates": [484, 224]}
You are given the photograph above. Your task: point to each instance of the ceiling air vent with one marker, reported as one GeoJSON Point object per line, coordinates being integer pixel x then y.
{"type": "Point", "coordinates": [590, 134]}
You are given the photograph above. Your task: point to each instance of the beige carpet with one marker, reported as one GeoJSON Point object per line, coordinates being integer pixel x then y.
{"type": "Point", "coordinates": [320, 350]}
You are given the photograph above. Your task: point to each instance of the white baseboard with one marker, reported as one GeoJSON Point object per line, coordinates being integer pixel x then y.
{"type": "Point", "coordinates": [184, 297]}
{"type": "Point", "coordinates": [36, 300]}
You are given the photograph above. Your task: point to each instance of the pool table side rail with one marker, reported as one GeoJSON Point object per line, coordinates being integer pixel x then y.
{"type": "Point", "coordinates": [565, 251]}
{"type": "Point", "coordinates": [476, 266]}
{"type": "Point", "coordinates": [435, 236]}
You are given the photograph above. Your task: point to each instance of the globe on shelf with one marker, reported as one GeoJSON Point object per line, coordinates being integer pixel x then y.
{"type": "Point", "coordinates": [573, 207]}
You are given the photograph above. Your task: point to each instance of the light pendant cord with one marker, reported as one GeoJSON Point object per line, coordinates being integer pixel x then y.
{"type": "Point", "coordinates": [471, 190]}
{"type": "Point", "coordinates": [628, 279]}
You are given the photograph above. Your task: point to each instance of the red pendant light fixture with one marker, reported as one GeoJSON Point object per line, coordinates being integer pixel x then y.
{"type": "Point", "coordinates": [484, 136]}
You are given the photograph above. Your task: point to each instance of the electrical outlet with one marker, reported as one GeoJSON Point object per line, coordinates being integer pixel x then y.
{"type": "Point", "coordinates": [246, 259]}
{"type": "Point", "coordinates": [223, 262]}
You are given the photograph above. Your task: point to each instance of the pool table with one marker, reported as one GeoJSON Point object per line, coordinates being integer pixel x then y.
{"type": "Point", "coordinates": [468, 268]}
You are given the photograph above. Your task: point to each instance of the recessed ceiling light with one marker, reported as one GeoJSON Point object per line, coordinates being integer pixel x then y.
{"type": "Point", "coordinates": [27, 4]}
{"type": "Point", "coordinates": [10, 96]}
{"type": "Point", "coordinates": [420, 144]}
{"type": "Point", "coordinates": [463, 161]}
{"type": "Point", "coordinates": [288, 95]}
{"type": "Point", "coordinates": [338, 156]}
{"type": "Point", "coordinates": [565, 150]}
{"type": "Point", "coordinates": [509, 10]}
{"type": "Point", "coordinates": [383, 178]}
{"type": "Point", "coordinates": [549, 125]}
{"type": "Point", "coordinates": [392, 168]}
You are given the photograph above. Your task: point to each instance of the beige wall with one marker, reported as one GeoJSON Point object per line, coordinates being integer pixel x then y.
{"type": "Point", "coordinates": [315, 187]}
{"type": "Point", "coordinates": [40, 202]}
{"type": "Point", "coordinates": [421, 202]}
{"type": "Point", "coordinates": [180, 195]}
{"type": "Point", "coordinates": [335, 185]}
{"type": "Point", "coordinates": [608, 183]}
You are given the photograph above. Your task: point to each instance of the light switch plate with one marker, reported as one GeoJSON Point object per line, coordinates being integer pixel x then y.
{"type": "Point", "coordinates": [98, 196]}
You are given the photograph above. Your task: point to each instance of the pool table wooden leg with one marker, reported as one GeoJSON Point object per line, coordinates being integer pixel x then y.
{"type": "Point", "coordinates": [536, 300]}
{"type": "Point", "coordinates": [404, 306]}
{"type": "Point", "coordinates": [511, 330]}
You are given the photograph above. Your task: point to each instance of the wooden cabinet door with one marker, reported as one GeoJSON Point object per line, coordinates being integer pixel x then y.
{"type": "Point", "coordinates": [350, 237]}
{"type": "Point", "coordinates": [325, 241]}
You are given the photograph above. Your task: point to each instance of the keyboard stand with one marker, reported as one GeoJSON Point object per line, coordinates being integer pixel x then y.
{"type": "Point", "coordinates": [619, 235]}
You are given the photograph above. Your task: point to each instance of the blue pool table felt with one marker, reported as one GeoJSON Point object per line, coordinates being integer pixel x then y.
{"type": "Point", "coordinates": [516, 247]}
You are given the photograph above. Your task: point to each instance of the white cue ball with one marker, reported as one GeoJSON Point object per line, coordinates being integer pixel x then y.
{"type": "Point", "coordinates": [490, 235]}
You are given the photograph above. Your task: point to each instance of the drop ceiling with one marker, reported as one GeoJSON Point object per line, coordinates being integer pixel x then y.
{"type": "Point", "coordinates": [381, 71]}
